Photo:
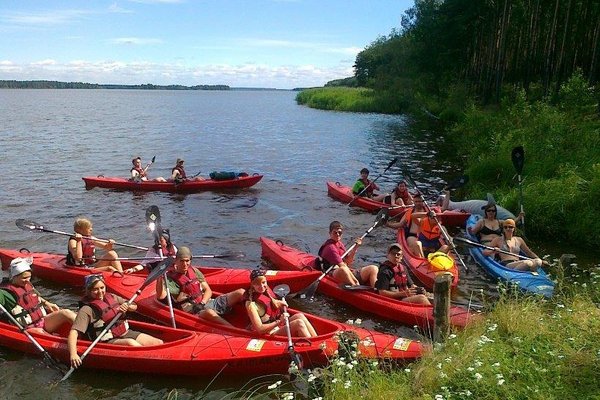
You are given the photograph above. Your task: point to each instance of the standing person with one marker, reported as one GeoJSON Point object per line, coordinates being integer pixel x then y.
{"type": "Point", "coordinates": [154, 254]}
{"type": "Point", "coordinates": [23, 301]}
{"type": "Point", "coordinates": [98, 308]}
{"type": "Point", "coordinates": [140, 174]}
{"type": "Point", "coordinates": [178, 174]}
{"type": "Point", "coordinates": [266, 312]}
{"type": "Point", "coordinates": [410, 225]}
{"type": "Point", "coordinates": [81, 249]}
{"type": "Point", "coordinates": [513, 244]}
{"type": "Point", "coordinates": [331, 254]}
{"type": "Point", "coordinates": [191, 293]}
{"type": "Point", "coordinates": [364, 186]}
{"type": "Point", "coordinates": [393, 280]}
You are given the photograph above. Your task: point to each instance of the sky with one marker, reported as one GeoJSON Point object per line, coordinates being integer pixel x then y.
{"type": "Point", "coordinates": [280, 44]}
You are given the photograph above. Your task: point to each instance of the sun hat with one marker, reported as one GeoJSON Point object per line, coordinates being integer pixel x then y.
{"type": "Point", "coordinates": [19, 265]}
{"type": "Point", "coordinates": [183, 252]}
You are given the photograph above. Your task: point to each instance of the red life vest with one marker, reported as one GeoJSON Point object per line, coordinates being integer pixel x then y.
{"type": "Point", "coordinates": [88, 253]}
{"type": "Point", "coordinates": [28, 310]}
{"type": "Point", "coordinates": [266, 299]}
{"type": "Point", "coordinates": [140, 171]}
{"type": "Point", "coordinates": [181, 172]}
{"type": "Point", "coordinates": [400, 276]}
{"type": "Point", "coordinates": [370, 187]}
{"type": "Point", "coordinates": [108, 308]}
{"type": "Point", "coordinates": [405, 196]}
{"type": "Point", "coordinates": [189, 284]}
{"type": "Point", "coordinates": [429, 229]}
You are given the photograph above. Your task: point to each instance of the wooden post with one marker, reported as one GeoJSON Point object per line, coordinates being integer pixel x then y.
{"type": "Point", "coordinates": [441, 306]}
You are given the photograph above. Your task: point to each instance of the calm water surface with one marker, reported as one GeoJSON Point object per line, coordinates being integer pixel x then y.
{"type": "Point", "coordinates": [51, 138]}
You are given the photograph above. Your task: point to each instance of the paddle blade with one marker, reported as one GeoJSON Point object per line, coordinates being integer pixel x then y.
{"type": "Point", "coordinates": [310, 291]}
{"type": "Point", "coordinates": [394, 161]}
{"type": "Point", "coordinates": [27, 225]}
{"type": "Point", "coordinates": [160, 269]}
{"type": "Point", "coordinates": [518, 158]}
{"type": "Point", "coordinates": [382, 217]}
{"type": "Point", "coordinates": [153, 218]}
{"type": "Point", "coordinates": [152, 161]}
{"type": "Point", "coordinates": [281, 290]}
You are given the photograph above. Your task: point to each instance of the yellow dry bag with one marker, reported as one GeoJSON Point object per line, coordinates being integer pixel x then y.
{"type": "Point", "coordinates": [440, 261]}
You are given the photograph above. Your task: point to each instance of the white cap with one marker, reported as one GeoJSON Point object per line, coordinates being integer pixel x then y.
{"type": "Point", "coordinates": [19, 265]}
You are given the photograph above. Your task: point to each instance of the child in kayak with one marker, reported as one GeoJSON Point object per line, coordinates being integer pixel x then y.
{"type": "Point", "coordinates": [81, 249]}
{"type": "Point", "coordinates": [364, 187]}
{"type": "Point", "coordinates": [266, 312]}
{"type": "Point", "coordinates": [191, 293]}
{"type": "Point", "coordinates": [98, 308]}
{"type": "Point", "coordinates": [155, 253]}
{"type": "Point", "coordinates": [26, 305]}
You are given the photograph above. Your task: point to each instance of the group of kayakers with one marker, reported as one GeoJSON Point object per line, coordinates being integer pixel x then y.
{"type": "Point", "coordinates": [178, 174]}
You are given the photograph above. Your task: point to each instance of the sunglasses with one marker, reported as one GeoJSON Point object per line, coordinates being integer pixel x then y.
{"type": "Point", "coordinates": [510, 228]}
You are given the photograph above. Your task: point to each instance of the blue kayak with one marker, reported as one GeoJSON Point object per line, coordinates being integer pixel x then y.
{"type": "Point", "coordinates": [534, 282]}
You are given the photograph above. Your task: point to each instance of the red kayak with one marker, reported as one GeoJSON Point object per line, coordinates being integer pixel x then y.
{"type": "Point", "coordinates": [170, 186]}
{"type": "Point", "coordinates": [344, 194]}
{"type": "Point", "coordinates": [219, 278]}
{"type": "Point", "coordinates": [421, 268]}
{"type": "Point", "coordinates": [278, 255]}
{"type": "Point", "coordinates": [314, 351]}
{"type": "Point", "coordinates": [183, 352]}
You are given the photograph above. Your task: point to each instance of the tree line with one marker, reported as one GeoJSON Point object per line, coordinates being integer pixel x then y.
{"type": "Point", "coordinates": [486, 45]}
{"type": "Point", "coordinates": [13, 84]}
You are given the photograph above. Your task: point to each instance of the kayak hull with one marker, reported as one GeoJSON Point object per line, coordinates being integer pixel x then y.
{"type": "Point", "coordinates": [169, 186]}
{"type": "Point", "coordinates": [344, 194]}
{"type": "Point", "coordinates": [421, 267]}
{"type": "Point", "coordinates": [534, 282]}
{"type": "Point", "coordinates": [279, 255]}
{"type": "Point", "coordinates": [314, 351]}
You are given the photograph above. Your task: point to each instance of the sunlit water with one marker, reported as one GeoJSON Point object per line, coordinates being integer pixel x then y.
{"type": "Point", "coordinates": [51, 138]}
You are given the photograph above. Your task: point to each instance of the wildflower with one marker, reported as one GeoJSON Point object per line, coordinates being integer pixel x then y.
{"type": "Point", "coordinates": [492, 328]}
{"type": "Point", "coordinates": [350, 322]}
{"type": "Point", "coordinates": [496, 365]}
{"type": "Point", "coordinates": [311, 378]}
{"type": "Point", "coordinates": [407, 370]}
{"type": "Point", "coordinates": [439, 366]}
{"type": "Point", "coordinates": [499, 376]}
{"type": "Point", "coordinates": [293, 368]}
{"type": "Point", "coordinates": [443, 375]}
{"type": "Point", "coordinates": [470, 369]}
{"type": "Point", "coordinates": [273, 386]}
{"type": "Point", "coordinates": [448, 359]}
{"type": "Point", "coordinates": [334, 380]}
{"type": "Point", "coordinates": [287, 396]}
{"type": "Point", "coordinates": [452, 336]}
{"type": "Point", "coordinates": [318, 398]}
{"type": "Point", "coordinates": [478, 363]}
{"type": "Point", "coordinates": [358, 321]}
{"type": "Point", "coordinates": [478, 376]}
{"type": "Point", "coordinates": [439, 397]}
{"type": "Point", "coordinates": [501, 382]}
{"type": "Point", "coordinates": [347, 384]}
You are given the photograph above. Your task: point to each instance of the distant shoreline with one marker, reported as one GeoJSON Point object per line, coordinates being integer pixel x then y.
{"type": "Point", "coordinates": [41, 84]}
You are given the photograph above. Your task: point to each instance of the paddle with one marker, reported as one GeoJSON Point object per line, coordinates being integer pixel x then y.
{"type": "Point", "coordinates": [153, 221]}
{"type": "Point", "coordinates": [27, 225]}
{"type": "Point", "coordinates": [152, 276]}
{"type": "Point", "coordinates": [281, 291]}
{"type": "Point", "coordinates": [237, 255]}
{"type": "Point", "coordinates": [437, 221]}
{"type": "Point", "coordinates": [150, 163]}
{"type": "Point", "coordinates": [483, 246]}
{"type": "Point", "coordinates": [380, 219]}
{"type": "Point", "coordinates": [518, 159]}
{"type": "Point", "coordinates": [48, 359]}
{"type": "Point", "coordinates": [179, 180]}
{"type": "Point", "coordinates": [394, 161]}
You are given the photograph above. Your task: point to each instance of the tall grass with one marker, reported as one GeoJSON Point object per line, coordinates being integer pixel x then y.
{"type": "Point", "coordinates": [349, 99]}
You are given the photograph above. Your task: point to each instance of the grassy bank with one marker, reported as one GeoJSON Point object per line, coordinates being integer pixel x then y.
{"type": "Point", "coordinates": [524, 348]}
{"type": "Point", "coordinates": [348, 99]}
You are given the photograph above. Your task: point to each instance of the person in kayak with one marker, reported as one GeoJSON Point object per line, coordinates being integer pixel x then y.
{"type": "Point", "coordinates": [364, 187]}
{"type": "Point", "coordinates": [97, 309]}
{"type": "Point", "coordinates": [81, 249]}
{"type": "Point", "coordinates": [394, 281]}
{"type": "Point", "coordinates": [410, 225]}
{"type": "Point", "coordinates": [26, 305]}
{"type": "Point", "coordinates": [154, 253]}
{"type": "Point", "coordinates": [400, 196]}
{"type": "Point", "coordinates": [430, 233]}
{"type": "Point", "coordinates": [139, 174]}
{"type": "Point", "coordinates": [191, 293]}
{"type": "Point", "coordinates": [516, 245]}
{"type": "Point", "coordinates": [266, 312]}
{"type": "Point", "coordinates": [490, 227]}
{"type": "Point", "coordinates": [178, 174]}
{"type": "Point", "coordinates": [331, 253]}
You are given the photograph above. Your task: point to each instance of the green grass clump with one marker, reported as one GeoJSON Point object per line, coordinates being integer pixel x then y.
{"type": "Point", "coordinates": [347, 99]}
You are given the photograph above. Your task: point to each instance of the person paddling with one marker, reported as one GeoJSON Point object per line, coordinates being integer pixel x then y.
{"type": "Point", "coordinates": [266, 312]}
{"type": "Point", "coordinates": [25, 303]}
{"type": "Point", "coordinates": [410, 225]}
{"type": "Point", "coordinates": [394, 281]}
{"type": "Point", "coordinates": [81, 249]}
{"type": "Point", "coordinates": [513, 244]}
{"type": "Point", "coordinates": [98, 308]}
{"type": "Point", "coordinates": [363, 186]}
{"type": "Point", "coordinates": [139, 174]}
{"type": "Point", "coordinates": [178, 174]}
{"type": "Point", "coordinates": [154, 253]}
{"type": "Point", "coordinates": [191, 293]}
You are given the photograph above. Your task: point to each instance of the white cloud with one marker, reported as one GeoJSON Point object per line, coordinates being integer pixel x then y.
{"type": "Point", "coordinates": [115, 8]}
{"type": "Point", "coordinates": [48, 18]}
{"type": "Point", "coordinates": [136, 41]}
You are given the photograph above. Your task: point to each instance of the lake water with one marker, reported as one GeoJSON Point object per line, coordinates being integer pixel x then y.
{"type": "Point", "coordinates": [51, 138]}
